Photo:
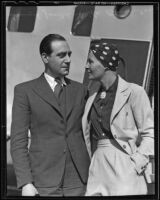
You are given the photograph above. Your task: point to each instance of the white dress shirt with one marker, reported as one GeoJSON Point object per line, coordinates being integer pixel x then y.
{"type": "Point", "coordinates": [51, 81]}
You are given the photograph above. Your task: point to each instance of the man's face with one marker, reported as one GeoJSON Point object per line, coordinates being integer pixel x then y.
{"type": "Point", "coordinates": [94, 67]}
{"type": "Point", "coordinates": [58, 62]}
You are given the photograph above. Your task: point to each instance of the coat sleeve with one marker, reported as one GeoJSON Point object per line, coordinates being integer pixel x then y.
{"type": "Point", "coordinates": [143, 115]}
{"type": "Point", "coordinates": [19, 137]}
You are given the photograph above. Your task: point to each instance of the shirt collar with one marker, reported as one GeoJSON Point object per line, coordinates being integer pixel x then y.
{"type": "Point", "coordinates": [51, 80]}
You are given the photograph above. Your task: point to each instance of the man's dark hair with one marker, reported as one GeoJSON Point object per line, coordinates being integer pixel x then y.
{"type": "Point", "coordinates": [45, 45]}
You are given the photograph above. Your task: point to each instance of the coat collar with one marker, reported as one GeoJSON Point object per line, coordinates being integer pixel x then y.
{"type": "Point", "coordinates": [43, 89]}
{"type": "Point", "coordinates": [122, 95]}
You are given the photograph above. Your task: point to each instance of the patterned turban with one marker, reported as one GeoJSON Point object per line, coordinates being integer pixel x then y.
{"type": "Point", "coordinates": [106, 53]}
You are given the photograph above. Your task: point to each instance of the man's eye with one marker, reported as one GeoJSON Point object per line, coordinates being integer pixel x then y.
{"type": "Point", "coordinates": [62, 55]}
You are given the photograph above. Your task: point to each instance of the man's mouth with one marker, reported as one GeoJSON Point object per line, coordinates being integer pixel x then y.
{"type": "Point", "coordinates": [67, 67]}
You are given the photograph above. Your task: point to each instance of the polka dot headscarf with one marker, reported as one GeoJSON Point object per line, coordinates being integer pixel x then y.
{"type": "Point", "coordinates": [106, 53]}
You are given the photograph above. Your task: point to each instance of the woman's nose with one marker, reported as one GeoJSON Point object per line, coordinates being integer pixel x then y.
{"type": "Point", "coordinates": [87, 65]}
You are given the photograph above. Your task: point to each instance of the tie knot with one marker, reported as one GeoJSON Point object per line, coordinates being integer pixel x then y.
{"type": "Point", "coordinates": [58, 80]}
{"type": "Point", "coordinates": [58, 88]}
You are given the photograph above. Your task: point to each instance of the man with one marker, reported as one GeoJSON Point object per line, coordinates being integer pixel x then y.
{"type": "Point", "coordinates": [51, 107]}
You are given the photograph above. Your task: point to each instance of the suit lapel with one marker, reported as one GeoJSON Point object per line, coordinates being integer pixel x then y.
{"type": "Point", "coordinates": [43, 89]}
{"type": "Point", "coordinates": [122, 95]}
{"type": "Point", "coordinates": [70, 90]}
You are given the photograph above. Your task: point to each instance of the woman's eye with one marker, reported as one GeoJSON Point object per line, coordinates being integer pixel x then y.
{"type": "Point", "coordinates": [89, 61]}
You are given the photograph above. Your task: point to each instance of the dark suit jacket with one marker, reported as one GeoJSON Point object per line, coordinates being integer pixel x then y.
{"type": "Point", "coordinates": [35, 108]}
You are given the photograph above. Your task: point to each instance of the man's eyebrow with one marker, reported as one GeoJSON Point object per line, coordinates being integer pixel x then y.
{"type": "Point", "coordinates": [64, 52]}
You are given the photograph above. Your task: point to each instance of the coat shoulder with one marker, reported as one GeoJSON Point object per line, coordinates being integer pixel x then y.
{"type": "Point", "coordinates": [77, 84]}
{"type": "Point", "coordinates": [138, 93]}
{"type": "Point", "coordinates": [135, 88]}
{"type": "Point", "coordinates": [26, 84]}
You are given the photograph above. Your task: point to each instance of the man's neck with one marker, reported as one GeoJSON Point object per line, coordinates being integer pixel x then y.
{"type": "Point", "coordinates": [54, 77]}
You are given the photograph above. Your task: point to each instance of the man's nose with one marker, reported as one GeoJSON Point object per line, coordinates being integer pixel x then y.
{"type": "Point", "coordinates": [67, 58]}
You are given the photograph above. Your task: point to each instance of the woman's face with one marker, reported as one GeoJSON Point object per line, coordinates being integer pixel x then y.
{"type": "Point", "coordinates": [94, 67]}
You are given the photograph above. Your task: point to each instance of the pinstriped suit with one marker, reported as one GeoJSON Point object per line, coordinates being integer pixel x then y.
{"type": "Point", "coordinates": [35, 108]}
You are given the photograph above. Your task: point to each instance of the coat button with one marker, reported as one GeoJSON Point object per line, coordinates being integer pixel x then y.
{"type": "Point", "coordinates": [100, 120]}
{"type": "Point", "coordinates": [103, 134]}
{"type": "Point", "coordinates": [124, 146]}
{"type": "Point", "coordinates": [115, 136]}
{"type": "Point", "coordinates": [64, 151]}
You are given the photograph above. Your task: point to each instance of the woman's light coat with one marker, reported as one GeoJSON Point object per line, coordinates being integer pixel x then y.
{"type": "Point", "coordinates": [131, 117]}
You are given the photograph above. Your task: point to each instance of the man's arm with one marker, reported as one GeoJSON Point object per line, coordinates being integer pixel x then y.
{"type": "Point", "coordinates": [19, 137]}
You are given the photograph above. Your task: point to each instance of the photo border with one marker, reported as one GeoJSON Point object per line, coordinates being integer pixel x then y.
{"type": "Point", "coordinates": [3, 88]}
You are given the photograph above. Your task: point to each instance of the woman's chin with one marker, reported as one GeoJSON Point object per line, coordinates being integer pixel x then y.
{"type": "Point", "coordinates": [90, 77]}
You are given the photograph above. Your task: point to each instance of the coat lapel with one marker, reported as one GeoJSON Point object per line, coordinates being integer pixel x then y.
{"type": "Point", "coordinates": [43, 89]}
{"type": "Point", "coordinates": [122, 95]}
{"type": "Point", "coordinates": [93, 92]}
{"type": "Point", "coordinates": [86, 124]}
{"type": "Point", "coordinates": [86, 111]}
{"type": "Point", "coordinates": [70, 90]}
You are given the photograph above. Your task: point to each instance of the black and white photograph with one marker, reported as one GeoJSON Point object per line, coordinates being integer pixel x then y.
{"type": "Point", "coordinates": [79, 99]}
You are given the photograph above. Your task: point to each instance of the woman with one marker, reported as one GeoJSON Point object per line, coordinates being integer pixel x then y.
{"type": "Point", "coordinates": [116, 113]}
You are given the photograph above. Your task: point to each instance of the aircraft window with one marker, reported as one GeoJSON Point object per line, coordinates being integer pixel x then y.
{"type": "Point", "coordinates": [22, 18]}
{"type": "Point", "coordinates": [122, 11]}
{"type": "Point", "coordinates": [82, 22]}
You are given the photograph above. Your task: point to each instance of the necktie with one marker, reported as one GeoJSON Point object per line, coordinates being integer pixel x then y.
{"type": "Point", "coordinates": [58, 88]}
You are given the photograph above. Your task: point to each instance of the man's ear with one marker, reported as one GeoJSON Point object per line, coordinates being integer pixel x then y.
{"type": "Point", "coordinates": [44, 57]}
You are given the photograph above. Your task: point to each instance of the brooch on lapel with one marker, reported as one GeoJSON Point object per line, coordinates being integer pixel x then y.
{"type": "Point", "coordinates": [103, 95]}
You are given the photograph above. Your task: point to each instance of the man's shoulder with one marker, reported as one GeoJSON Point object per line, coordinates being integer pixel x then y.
{"type": "Point", "coordinates": [75, 83]}
{"type": "Point", "coordinates": [26, 84]}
